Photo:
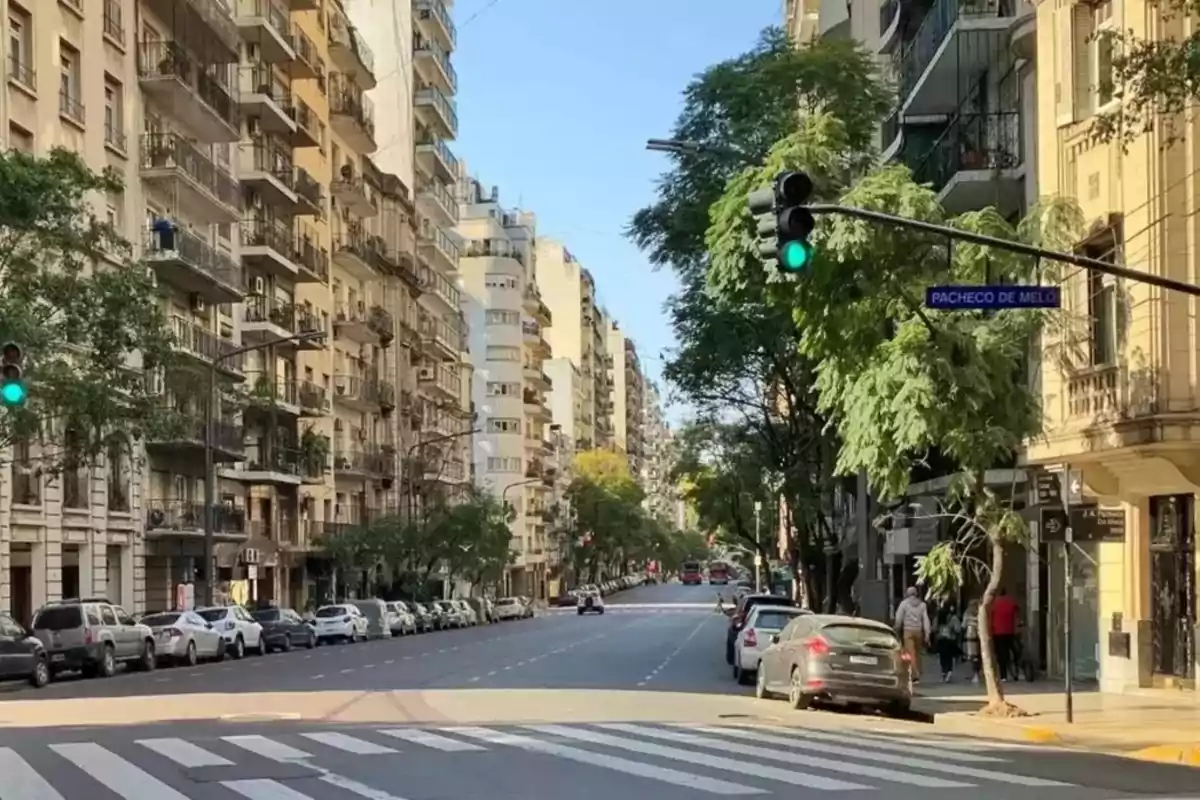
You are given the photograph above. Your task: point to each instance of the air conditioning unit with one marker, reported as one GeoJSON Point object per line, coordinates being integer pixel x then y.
{"type": "Point", "coordinates": [258, 286]}
{"type": "Point", "coordinates": [426, 374]}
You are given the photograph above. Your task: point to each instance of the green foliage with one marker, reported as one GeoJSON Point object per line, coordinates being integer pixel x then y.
{"type": "Point", "coordinates": [736, 110]}
{"type": "Point", "coordinates": [88, 318]}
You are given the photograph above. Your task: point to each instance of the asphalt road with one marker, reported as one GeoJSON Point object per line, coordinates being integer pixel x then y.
{"type": "Point", "coordinates": [637, 703]}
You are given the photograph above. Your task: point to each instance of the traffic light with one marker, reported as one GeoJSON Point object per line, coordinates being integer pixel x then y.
{"type": "Point", "coordinates": [12, 386]}
{"type": "Point", "coordinates": [784, 224]}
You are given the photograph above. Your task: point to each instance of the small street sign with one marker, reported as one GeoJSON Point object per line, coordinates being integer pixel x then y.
{"type": "Point", "coordinates": [1089, 523]}
{"type": "Point", "coordinates": [991, 298]}
{"type": "Point", "coordinates": [1048, 489]}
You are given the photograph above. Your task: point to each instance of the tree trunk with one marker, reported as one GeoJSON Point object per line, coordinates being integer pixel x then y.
{"type": "Point", "coordinates": [996, 705]}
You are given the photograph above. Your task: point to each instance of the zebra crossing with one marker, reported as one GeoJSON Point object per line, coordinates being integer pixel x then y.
{"type": "Point", "coordinates": [724, 760]}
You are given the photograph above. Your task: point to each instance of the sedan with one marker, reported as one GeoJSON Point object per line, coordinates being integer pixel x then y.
{"type": "Point", "coordinates": [839, 659]}
{"type": "Point", "coordinates": [22, 656]}
{"type": "Point", "coordinates": [284, 629]}
{"type": "Point", "coordinates": [184, 637]}
{"type": "Point", "coordinates": [400, 620]}
{"type": "Point", "coordinates": [341, 622]}
{"type": "Point", "coordinates": [755, 636]}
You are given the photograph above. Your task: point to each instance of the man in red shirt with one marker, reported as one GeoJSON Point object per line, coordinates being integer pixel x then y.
{"type": "Point", "coordinates": [1003, 623]}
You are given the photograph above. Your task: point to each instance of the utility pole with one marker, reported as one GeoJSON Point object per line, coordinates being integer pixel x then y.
{"type": "Point", "coordinates": [758, 559]}
{"type": "Point", "coordinates": [210, 478]}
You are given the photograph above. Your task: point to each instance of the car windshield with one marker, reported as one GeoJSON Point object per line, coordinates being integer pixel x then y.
{"type": "Point", "coordinates": [158, 620]}
{"type": "Point", "coordinates": [331, 611]}
{"type": "Point", "coordinates": [267, 615]}
{"type": "Point", "coordinates": [212, 614]}
{"type": "Point", "coordinates": [775, 619]}
{"type": "Point", "coordinates": [852, 635]}
{"type": "Point", "coordinates": [506, 601]}
{"type": "Point", "coordinates": [58, 619]}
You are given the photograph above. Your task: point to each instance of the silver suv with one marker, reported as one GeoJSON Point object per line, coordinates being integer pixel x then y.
{"type": "Point", "coordinates": [92, 636]}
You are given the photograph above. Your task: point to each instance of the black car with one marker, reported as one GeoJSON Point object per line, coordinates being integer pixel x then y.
{"type": "Point", "coordinates": [22, 656]}
{"type": "Point", "coordinates": [744, 604]}
{"type": "Point", "coordinates": [284, 629]}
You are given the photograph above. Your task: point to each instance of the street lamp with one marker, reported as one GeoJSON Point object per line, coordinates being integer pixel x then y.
{"type": "Point", "coordinates": [693, 148]}
{"type": "Point", "coordinates": [209, 475]}
{"type": "Point", "coordinates": [410, 478]}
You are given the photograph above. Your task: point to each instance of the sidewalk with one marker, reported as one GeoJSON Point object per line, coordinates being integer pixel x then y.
{"type": "Point", "coordinates": [1151, 724]}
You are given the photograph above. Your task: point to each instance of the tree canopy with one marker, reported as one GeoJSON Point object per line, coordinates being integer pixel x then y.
{"type": "Point", "coordinates": [87, 317]}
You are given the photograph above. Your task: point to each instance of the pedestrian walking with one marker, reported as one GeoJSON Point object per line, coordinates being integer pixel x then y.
{"type": "Point", "coordinates": [1003, 625]}
{"type": "Point", "coordinates": [949, 630]}
{"type": "Point", "coordinates": [912, 626]}
{"type": "Point", "coordinates": [971, 639]}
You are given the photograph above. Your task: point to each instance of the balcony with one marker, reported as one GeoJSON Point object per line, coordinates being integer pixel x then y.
{"type": "Point", "coordinates": [310, 194]}
{"type": "Point", "coordinates": [435, 158]}
{"type": "Point", "coordinates": [352, 253]}
{"type": "Point", "coordinates": [307, 63]}
{"type": "Point", "coordinates": [265, 319]}
{"type": "Point", "coordinates": [381, 321]}
{"type": "Point", "coordinates": [535, 377]}
{"type": "Point", "coordinates": [267, 169]}
{"type": "Point", "coordinates": [495, 248]}
{"type": "Point", "coordinates": [350, 192]}
{"type": "Point", "coordinates": [355, 322]}
{"type": "Point", "coordinates": [349, 52]}
{"type": "Point", "coordinates": [312, 398]}
{"type": "Point", "coordinates": [535, 407]}
{"type": "Point", "coordinates": [182, 259]}
{"type": "Point", "coordinates": [890, 16]}
{"type": "Point", "coordinates": [435, 200]}
{"type": "Point", "coordinates": [190, 339]}
{"type": "Point", "coordinates": [185, 439]}
{"type": "Point", "coordinates": [268, 245]}
{"type": "Point", "coordinates": [442, 378]}
{"type": "Point", "coordinates": [436, 112]}
{"type": "Point", "coordinates": [443, 336]}
{"type": "Point", "coordinates": [438, 248]}
{"type": "Point", "coordinates": [977, 162]}
{"type": "Point", "coordinates": [273, 393]}
{"type": "Point", "coordinates": [189, 179]}
{"type": "Point", "coordinates": [356, 392]}
{"type": "Point", "coordinates": [270, 464]}
{"type": "Point", "coordinates": [433, 64]}
{"type": "Point", "coordinates": [532, 333]}
{"type": "Point", "coordinates": [184, 518]}
{"type": "Point", "coordinates": [370, 462]}
{"type": "Point", "coordinates": [957, 42]}
{"type": "Point", "coordinates": [441, 287]}
{"type": "Point", "coordinates": [265, 24]}
{"type": "Point", "coordinates": [434, 19]}
{"type": "Point", "coordinates": [535, 307]}
{"type": "Point", "coordinates": [352, 117]}
{"type": "Point", "coordinates": [264, 97]}
{"type": "Point", "coordinates": [308, 126]}
{"type": "Point", "coordinates": [311, 258]}
{"type": "Point", "coordinates": [190, 91]}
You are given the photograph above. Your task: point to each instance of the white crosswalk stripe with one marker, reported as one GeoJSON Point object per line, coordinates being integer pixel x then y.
{"type": "Point", "coordinates": [741, 759]}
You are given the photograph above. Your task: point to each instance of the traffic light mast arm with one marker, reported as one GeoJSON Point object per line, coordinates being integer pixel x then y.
{"type": "Point", "coordinates": [1013, 247]}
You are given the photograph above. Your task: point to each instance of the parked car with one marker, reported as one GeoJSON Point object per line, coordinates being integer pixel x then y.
{"type": "Point", "coordinates": [341, 622]}
{"type": "Point", "coordinates": [427, 618]}
{"type": "Point", "coordinates": [452, 615]}
{"type": "Point", "coordinates": [763, 622]}
{"type": "Point", "coordinates": [93, 636]}
{"type": "Point", "coordinates": [568, 599]}
{"type": "Point", "coordinates": [284, 629]}
{"type": "Point", "coordinates": [468, 611]}
{"type": "Point", "coordinates": [375, 611]}
{"type": "Point", "coordinates": [835, 658]}
{"type": "Point", "coordinates": [240, 631]}
{"type": "Point", "coordinates": [509, 608]}
{"type": "Point", "coordinates": [400, 620]}
{"type": "Point", "coordinates": [22, 655]}
{"type": "Point", "coordinates": [744, 605]}
{"type": "Point", "coordinates": [184, 637]}
{"type": "Point", "coordinates": [590, 601]}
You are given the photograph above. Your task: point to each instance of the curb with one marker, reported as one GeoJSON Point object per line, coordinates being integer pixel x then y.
{"type": "Point", "coordinates": [1184, 754]}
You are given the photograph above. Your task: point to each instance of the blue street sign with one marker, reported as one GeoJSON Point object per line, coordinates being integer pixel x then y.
{"type": "Point", "coordinates": [991, 298]}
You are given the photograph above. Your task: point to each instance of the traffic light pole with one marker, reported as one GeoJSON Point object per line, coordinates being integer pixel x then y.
{"type": "Point", "coordinates": [957, 234]}
{"type": "Point", "coordinates": [210, 478]}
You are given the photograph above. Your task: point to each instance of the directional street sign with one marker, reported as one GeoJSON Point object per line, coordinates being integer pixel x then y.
{"type": "Point", "coordinates": [1088, 524]}
{"type": "Point", "coordinates": [991, 298]}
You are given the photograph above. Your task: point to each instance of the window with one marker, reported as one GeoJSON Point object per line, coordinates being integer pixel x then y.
{"type": "Point", "coordinates": [1092, 27]}
{"type": "Point", "coordinates": [113, 26]}
{"type": "Point", "coordinates": [114, 104]}
{"type": "Point", "coordinates": [69, 103]}
{"type": "Point", "coordinates": [503, 353]}
{"type": "Point", "coordinates": [503, 317]}
{"type": "Point", "coordinates": [504, 426]}
{"type": "Point", "coordinates": [501, 282]}
{"type": "Point", "coordinates": [504, 464]}
{"type": "Point", "coordinates": [19, 138]}
{"type": "Point", "coordinates": [497, 389]}
{"type": "Point", "coordinates": [115, 210]}
{"type": "Point", "coordinates": [20, 47]}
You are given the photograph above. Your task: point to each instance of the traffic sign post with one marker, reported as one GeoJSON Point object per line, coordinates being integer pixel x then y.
{"type": "Point", "coordinates": [991, 298]}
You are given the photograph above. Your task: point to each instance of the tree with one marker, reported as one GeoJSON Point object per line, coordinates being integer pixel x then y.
{"type": "Point", "coordinates": [900, 382]}
{"type": "Point", "coordinates": [476, 533]}
{"type": "Point", "coordinates": [609, 519]}
{"type": "Point", "coordinates": [739, 356]}
{"type": "Point", "coordinates": [87, 316]}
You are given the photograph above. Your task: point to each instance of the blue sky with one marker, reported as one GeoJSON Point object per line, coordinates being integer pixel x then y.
{"type": "Point", "coordinates": [556, 99]}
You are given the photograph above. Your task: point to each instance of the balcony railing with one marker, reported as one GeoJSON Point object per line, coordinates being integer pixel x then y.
{"type": "Point", "coordinates": [205, 344]}
{"type": "Point", "coordinates": [167, 59]}
{"type": "Point", "coordinates": [71, 107]}
{"type": "Point", "coordinates": [435, 236]}
{"type": "Point", "coordinates": [972, 142]}
{"type": "Point", "coordinates": [441, 286]}
{"type": "Point", "coordinates": [372, 461]}
{"type": "Point", "coordinates": [185, 516]}
{"type": "Point", "coordinates": [272, 233]}
{"type": "Point", "coordinates": [435, 50]}
{"type": "Point", "coordinates": [442, 196]}
{"type": "Point", "coordinates": [266, 309]}
{"type": "Point", "coordinates": [441, 148]}
{"type": "Point", "coordinates": [265, 9]}
{"type": "Point", "coordinates": [21, 71]}
{"type": "Point", "coordinates": [195, 251]}
{"type": "Point", "coordinates": [446, 106]}
{"type": "Point", "coordinates": [341, 32]}
{"type": "Point", "coordinates": [226, 436]}
{"type": "Point", "coordinates": [936, 25]}
{"type": "Point", "coordinates": [311, 395]}
{"type": "Point", "coordinates": [493, 248]}
{"type": "Point", "coordinates": [309, 188]}
{"type": "Point", "coordinates": [311, 256]}
{"type": "Point", "coordinates": [272, 158]}
{"type": "Point", "coordinates": [437, 10]}
{"type": "Point", "coordinates": [115, 137]}
{"type": "Point", "coordinates": [262, 79]}
{"type": "Point", "coordinates": [161, 151]}
{"type": "Point", "coordinates": [348, 102]}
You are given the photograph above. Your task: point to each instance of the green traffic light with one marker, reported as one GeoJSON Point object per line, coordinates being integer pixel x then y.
{"type": "Point", "coordinates": [12, 393]}
{"type": "Point", "coordinates": [795, 256]}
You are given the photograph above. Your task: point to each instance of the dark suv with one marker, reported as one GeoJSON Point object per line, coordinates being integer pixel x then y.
{"type": "Point", "coordinates": [22, 657]}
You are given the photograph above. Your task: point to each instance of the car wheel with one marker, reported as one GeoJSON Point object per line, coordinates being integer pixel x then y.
{"type": "Point", "coordinates": [797, 699]}
{"type": "Point", "coordinates": [149, 660]}
{"type": "Point", "coordinates": [581, 612]}
{"type": "Point", "coordinates": [108, 662]}
{"type": "Point", "coordinates": [760, 684]}
{"type": "Point", "coordinates": [189, 657]}
{"type": "Point", "coordinates": [221, 651]}
{"type": "Point", "coordinates": [602, 612]}
{"type": "Point", "coordinates": [287, 643]}
{"type": "Point", "coordinates": [239, 648]}
{"type": "Point", "coordinates": [41, 674]}
{"type": "Point", "coordinates": [729, 653]}
{"type": "Point", "coordinates": [312, 640]}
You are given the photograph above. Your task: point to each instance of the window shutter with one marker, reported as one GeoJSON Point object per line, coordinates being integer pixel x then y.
{"type": "Point", "coordinates": [1082, 27]}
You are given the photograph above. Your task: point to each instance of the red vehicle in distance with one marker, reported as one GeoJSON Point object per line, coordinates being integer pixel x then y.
{"type": "Point", "coordinates": [690, 574]}
{"type": "Point", "coordinates": [718, 573]}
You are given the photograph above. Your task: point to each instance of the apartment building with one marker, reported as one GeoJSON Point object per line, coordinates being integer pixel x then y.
{"type": "Point", "coordinates": [628, 396]}
{"type": "Point", "coordinates": [497, 268]}
{"type": "Point", "coordinates": [658, 457]}
{"type": "Point", "coordinates": [580, 336]}
{"type": "Point", "coordinates": [1118, 394]}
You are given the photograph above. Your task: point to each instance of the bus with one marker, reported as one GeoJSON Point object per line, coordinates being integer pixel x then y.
{"type": "Point", "coordinates": [718, 573]}
{"type": "Point", "coordinates": [691, 574]}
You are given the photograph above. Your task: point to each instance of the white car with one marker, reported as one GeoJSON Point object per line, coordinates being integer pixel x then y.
{"type": "Point", "coordinates": [590, 601]}
{"type": "Point", "coordinates": [240, 631]}
{"type": "Point", "coordinates": [755, 636]}
{"type": "Point", "coordinates": [342, 622]}
{"type": "Point", "coordinates": [400, 620]}
{"type": "Point", "coordinates": [509, 608]}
